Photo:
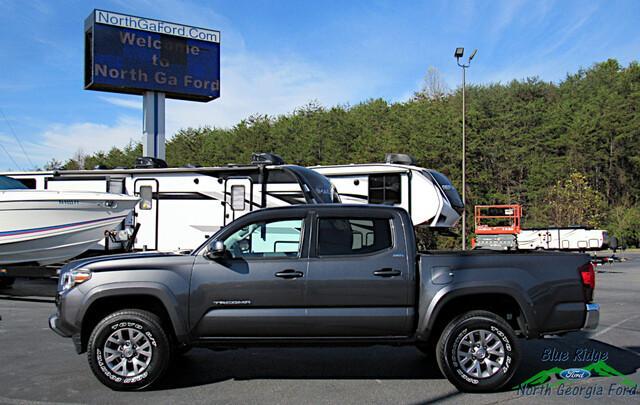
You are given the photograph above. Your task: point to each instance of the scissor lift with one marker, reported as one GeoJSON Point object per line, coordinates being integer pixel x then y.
{"type": "Point", "coordinates": [497, 226]}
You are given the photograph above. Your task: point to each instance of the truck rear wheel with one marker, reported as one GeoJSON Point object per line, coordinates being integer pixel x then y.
{"type": "Point", "coordinates": [478, 352]}
{"type": "Point", "coordinates": [129, 350]}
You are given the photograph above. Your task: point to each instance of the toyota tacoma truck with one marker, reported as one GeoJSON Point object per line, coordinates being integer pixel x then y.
{"type": "Point", "coordinates": [321, 275]}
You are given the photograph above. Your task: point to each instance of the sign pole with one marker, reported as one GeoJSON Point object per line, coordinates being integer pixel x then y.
{"type": "Point", "coordinates": [153, 124]}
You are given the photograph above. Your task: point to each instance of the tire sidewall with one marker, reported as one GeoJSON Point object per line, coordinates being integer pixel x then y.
{"type": "Point", "coordinates": [454, 371]}
{"type": "Point", "coordinates": [157, 339]}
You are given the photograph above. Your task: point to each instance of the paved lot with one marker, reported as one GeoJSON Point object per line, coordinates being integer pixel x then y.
{"type": "Point", "coordinates": [37, 366]}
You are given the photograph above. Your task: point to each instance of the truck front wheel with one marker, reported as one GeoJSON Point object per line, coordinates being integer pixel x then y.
{"type": "Point", "coordinates": [129, 350]}
{"type": "Point", "coordinates": [478, 352]}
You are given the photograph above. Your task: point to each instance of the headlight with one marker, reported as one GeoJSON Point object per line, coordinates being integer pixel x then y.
{"type": "Point", "coordinates": [74, 277]}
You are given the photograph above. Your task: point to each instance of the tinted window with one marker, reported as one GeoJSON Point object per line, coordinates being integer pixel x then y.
{"type": "Point", "coordinates": [343, 236]}
{"type": "Point", "coordinates": [266, 239]}
{"type": "Point", "coordinates": [319, 185]}
{"type": "Point", "coordinates": [7, 183]}
{"type": "Point", "coordinates": [384, 189]}
{"type": "Point", "coordinates": [447, 187]}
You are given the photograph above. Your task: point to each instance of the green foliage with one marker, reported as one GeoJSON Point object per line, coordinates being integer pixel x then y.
{"type": "Point", "coordinates": [572, 201]}
{"type": "Point", "coordinates": [624, 223]}
{"type": "Point", "coordinates": [524, 138]}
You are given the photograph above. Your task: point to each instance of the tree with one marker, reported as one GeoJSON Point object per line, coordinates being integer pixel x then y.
{"type": "Point", "coordinates": [53, 164]}
{"type": "Point", "coordinates": [624, 224]}
{"type": "Point", "coordinates": [573, 201]}
{"type": "Point", "coordinates": [433, 87]}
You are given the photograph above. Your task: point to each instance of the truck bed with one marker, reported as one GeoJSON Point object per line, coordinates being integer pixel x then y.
{"type": "Point", "coordinates": [547, 281]}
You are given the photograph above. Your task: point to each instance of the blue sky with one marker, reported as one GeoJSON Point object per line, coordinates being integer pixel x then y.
{"type": "Point", "coordinates": [279, 55]}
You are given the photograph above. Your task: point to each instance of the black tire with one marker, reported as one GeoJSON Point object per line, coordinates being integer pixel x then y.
{"type": "Point", "coordinates": [129, 322]}
{"type": "Point", "coordinates": [469, 326]}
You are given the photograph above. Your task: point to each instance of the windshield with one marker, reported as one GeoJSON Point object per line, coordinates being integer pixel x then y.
{"type": "Point", "coordinates": [320, 186]}
{"type": "Point", "coordinates": [7, 183]}
{"type": "Point", "coordinates": [448, 188]}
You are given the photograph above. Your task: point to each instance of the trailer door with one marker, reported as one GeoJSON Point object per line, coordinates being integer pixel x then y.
{"type": "Point", "coordinates": [146, 213]}
{"type": "Point", "coordinates": [238, 198]}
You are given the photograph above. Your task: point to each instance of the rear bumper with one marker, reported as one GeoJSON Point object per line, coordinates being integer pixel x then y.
{"type": "Point", "coordinates": [592, 318]}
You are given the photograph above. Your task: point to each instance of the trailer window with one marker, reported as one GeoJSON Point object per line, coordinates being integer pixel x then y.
{"type": "Point", "coordinates": [342, 236]}
{"type": "Point", "coordinates": [237, 198]}
{"type": "Point", "coordinates": [146, 198]}
{"type": "Point", "coordinates": [385, 189]}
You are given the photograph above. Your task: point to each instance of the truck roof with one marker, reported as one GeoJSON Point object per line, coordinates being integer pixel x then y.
{"type": "Point", "coordinates": [360, 210]}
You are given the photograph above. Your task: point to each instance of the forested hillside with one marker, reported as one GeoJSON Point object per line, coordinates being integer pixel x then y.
{"type": "Point", "coordinates": [568, 152]}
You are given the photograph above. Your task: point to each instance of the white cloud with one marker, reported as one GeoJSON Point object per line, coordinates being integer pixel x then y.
{"type": "Point", "coordinates": [61, 141]}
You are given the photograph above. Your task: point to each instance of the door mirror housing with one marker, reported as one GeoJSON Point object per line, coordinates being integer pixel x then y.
{"type": "Point", "coordinates": [216, 250]}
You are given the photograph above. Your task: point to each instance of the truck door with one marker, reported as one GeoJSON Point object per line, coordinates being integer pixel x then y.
{"type": "Point", "coordinates": [238, 198]}
{"type": "Point", "coordinates": [257, 290]}
{"type": "Point", "coordinates": [146, 213]}
{"type": "Point", "coordinates": [359, 283]}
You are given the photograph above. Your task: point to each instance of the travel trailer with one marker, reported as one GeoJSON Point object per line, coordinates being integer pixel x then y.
{"type": "Point", "coordinates": [180, 208]}
{"type": "Point", "coordinates": [426, 194]}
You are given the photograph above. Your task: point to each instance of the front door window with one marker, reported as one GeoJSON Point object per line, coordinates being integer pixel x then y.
{"type": "Point", "coordinates": [281, 238]}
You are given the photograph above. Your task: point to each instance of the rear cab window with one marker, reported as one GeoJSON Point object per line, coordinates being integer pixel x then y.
{"type": "Point", "coordinates": [353, 236]}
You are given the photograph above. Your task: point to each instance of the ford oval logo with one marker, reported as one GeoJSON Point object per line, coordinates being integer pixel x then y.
{"type": "Point", "coordinates": [575, 374]}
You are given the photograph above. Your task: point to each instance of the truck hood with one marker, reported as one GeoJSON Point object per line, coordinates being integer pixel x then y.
{"type": "Point", "coordinates": [130, 261]}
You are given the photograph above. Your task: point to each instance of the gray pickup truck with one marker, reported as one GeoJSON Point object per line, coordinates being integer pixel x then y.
{"type": "Point", "coordinates": [322, 275]}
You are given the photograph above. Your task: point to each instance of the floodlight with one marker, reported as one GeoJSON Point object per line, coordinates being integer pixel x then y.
{"type": "Point", "coordinates": [458, 53]}
{"type": "Point", "coordinates": [473, 54]}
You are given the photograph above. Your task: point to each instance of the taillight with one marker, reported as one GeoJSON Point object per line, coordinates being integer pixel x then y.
{"type": "Point", "coordinates": [588, 275]}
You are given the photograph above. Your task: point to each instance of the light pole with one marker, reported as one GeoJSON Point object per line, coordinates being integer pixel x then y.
{"type": "Point", "coordinates": [458, 54]}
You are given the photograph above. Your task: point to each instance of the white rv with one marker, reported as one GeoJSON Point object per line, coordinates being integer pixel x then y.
{"type": "Point", "coordinates": [180, 208]}
{"type": "Point", "coordinates": [426, 194]}
{"type": "Point", "coordinates": [581, 239]}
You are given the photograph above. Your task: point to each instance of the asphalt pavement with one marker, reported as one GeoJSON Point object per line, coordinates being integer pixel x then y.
{"type": "Point", "coordinates": [37, 366]}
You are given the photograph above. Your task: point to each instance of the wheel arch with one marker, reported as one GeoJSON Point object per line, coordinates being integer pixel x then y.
{"type": "Point", "coordinates": [514, 309]}
{"type": "Point", "coordinates": [152, 298]}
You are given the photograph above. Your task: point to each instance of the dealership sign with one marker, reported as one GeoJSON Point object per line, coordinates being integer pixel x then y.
{"type": "Point", "coordinates": [128, 54]}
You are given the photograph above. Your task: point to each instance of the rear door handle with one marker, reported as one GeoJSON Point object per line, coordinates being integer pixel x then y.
{"type": "Point", "coordinates": [387, 272]}
{"type": "Point", "coordinates": [289, 273]}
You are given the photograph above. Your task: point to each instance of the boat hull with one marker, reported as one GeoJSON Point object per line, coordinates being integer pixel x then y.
{"type": "Point", "coordinates": [50, 227]}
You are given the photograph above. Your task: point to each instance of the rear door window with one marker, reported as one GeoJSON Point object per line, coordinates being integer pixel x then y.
{"type": "Point", "coordinates": [353, 236]}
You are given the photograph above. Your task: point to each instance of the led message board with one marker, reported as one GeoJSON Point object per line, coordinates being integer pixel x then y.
{"type": "Point", "coordinates": [127, 54]}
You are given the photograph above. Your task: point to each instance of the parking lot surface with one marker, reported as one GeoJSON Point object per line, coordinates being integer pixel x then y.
{"type": "Point", "coordinates": [37, 366]}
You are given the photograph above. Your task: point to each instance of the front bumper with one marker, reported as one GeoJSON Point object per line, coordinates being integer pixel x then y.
{"type": "Point", "coordinates": [592, 318]}
{"type": "Point", "coordinates": [56, 325]}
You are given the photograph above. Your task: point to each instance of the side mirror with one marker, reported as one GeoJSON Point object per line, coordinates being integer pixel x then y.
{"type": "Point", "coordinates": [216, 250]}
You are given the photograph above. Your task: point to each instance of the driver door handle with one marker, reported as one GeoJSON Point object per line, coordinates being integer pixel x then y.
{"type": "Point", "coordinates": [289, 273]}
{"type": "Point", "coordinates": [387, 272]}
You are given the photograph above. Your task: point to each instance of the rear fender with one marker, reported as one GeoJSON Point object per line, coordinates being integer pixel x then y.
{"type": "Point", "coordinates": [429, 316]}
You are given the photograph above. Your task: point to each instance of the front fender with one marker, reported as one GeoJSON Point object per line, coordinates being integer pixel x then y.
{"type": "Point", "coordinates": [157, 290]}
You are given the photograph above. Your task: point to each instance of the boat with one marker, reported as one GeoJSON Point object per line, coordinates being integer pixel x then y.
{"type": "Point", "coordinates": [44, 226]}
